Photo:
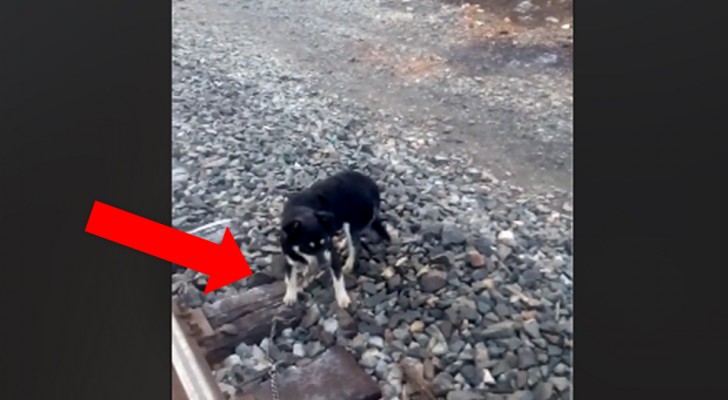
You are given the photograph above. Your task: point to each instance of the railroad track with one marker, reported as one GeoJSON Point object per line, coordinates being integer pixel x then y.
{"type": "Point", "coordinates": [192, 377]}
{"type": "Point", "coordinates": [203, 338]}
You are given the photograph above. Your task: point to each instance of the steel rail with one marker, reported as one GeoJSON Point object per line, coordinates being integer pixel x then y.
{"type": "Point", "coordinates": [192, 378]}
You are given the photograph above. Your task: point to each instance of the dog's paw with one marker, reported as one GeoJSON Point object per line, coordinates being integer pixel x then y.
{"type": "Point", "coordinates": [343, 300]}
{"type": "Point", "coordinates": [290, 297]}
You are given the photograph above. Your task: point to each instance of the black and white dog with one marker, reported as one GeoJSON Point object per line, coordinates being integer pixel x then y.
{"type": "Point", "coordinates": [311, 218]}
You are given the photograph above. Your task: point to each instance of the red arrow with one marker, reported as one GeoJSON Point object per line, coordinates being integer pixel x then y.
{"type": "Point", "coordinates": [223, 263]}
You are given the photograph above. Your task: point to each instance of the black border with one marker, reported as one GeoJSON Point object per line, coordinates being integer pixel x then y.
{"type": "Point", "coordinates": [86, 93]}
{"type": "Point", "coordinates": [650, 310]}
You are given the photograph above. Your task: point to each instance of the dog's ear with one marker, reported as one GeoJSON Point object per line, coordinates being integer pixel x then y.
{"type": "Point", "coordinates": [291, 229]}
{"type": "Point", "coordinates": [326, 219]}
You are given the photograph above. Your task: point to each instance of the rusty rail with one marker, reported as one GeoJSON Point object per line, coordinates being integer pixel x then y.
{"type": "Point", "coordinates": [191, 375]}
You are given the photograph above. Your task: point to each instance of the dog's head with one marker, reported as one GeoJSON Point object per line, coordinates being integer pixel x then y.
{"type": "Point", "coordinates": [309, 231]}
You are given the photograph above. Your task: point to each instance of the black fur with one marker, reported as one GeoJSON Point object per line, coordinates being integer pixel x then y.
{"type": "Point", "coordinates": [316, 214]}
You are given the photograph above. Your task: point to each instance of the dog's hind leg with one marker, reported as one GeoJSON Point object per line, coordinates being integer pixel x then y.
{"type": "Point", "coordinates": [351, 258]}
{"type": "Point", "coordinates": [361, 245]}
{"type": "Point", "coordinates": [380, 229]}
{"type": "Point", "coordinates": [377, 226]}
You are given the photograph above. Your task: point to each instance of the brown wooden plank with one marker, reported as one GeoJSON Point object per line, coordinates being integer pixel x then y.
{"type": "Point", "coordinates": [247, 318]}
{"type": "Point", "coordinates": [333, 375]}
{"type": "Point", "coordinates": [231, 308]}
{"type": "Point", "coordinates": [250, 329]}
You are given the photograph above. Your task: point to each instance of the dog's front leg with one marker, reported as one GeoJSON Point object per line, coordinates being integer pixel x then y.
{"type": "Point", "coordinates": [342, 298]}
{"type": "Point", "coordinates": [295, 260]}
{"type": "Point", "coordinates": [352, 244]}
{"type": "Point", "coordinates": [291, 278]}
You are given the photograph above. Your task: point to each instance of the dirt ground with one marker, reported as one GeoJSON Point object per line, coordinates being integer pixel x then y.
{"type": "Point", "coordinates": [490, 79]}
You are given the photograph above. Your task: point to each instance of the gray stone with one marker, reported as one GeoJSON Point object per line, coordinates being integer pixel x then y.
{"type": "Point", "coordinates": [433, 281]}
{"type": "Point", "coordinates": [484, 246]}
{"type": "Point", "coordinates": [521, 395]}
{"type": "Point", "coordinates": [502, 310]}
{"type": "Point", "coordinates": [370, 358]}
{"type": "Point", "coordinates": [534, 376]}
{"type": "Point", "coordinates": [446, 328]}
{"type": "Point", "coordinates": [464, 395]}
{"type": "Point", "coordinates": [376, 341]}
{"type": "Point", "coordinates": [443, 259]}
{"type": "Point", "coordinates": [512, 343]}
{"type": "Point", "coordinates": [314, 348]}
{"type": "Point", "coordinates": [371, 329]}
{"type": "Point", "coordinates": [521, 379]}
{"type": "Point", "coordinates": [504, 251]}
{"type": "Point", "coordinates": [498, 330]}
{"type": "Point", "coordinates": [451, 234]}
{"type": "Point", "coordinates": [389, 391]}
{"type": "Point", "coordinates": [543, 391]}
{"type": "Point", "coordinates": [401, 334]}
{"type": "Point", "coordinates": [532, 328]}
{"type": "Point", "coordinates": [560, 383]}
{"type": "Point", "coordinates": [474, 376]}
{"type": "Point", "coordinates": [394, 282]}
{"type": "Point", "coordinates": [244, 351]}
{"type": "Point", "coordinates": [312, 317]}
{"type": "Point", "coordinates": [484, 307]}
{"type": "Point", "coordinates": [481, 355]}
{"type": "Point", "coordinates": [526, 358]}
{"type": "Point", "coordinates": [380, 370]}
{"type": "Point", "coordinates": [561, 369]}
{"type": "Point", "coordinates": [442, 384]}
{"type": "Point", "coordinates": [359, 342]}
{"type": "Point", "coordinates": [347, 323]}
{"type": "Point", "coordinates": [501, 368]}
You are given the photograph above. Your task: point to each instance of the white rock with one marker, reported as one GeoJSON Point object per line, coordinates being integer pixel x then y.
{"type": "Point", "coordinates": [507, 237]}
{"type": "Point", "coordinates": [376, 341]}
{"type": "Point", "coordinates": [233, 359]}
{"type": "Point", "coordinates": [258, 353]}
{"type": "Point", "coordinates": [488, 377]}
{"type": "Point", "coordinates": [370, 358]}
{"type": "Point", "coordinates": [227, 389]}
{"type": "Point", "coordinates": [439, 349]}
{"type": "Point", "coordinates": [331, 325]}
{"type": "Point", "coordinates": [298, 350]}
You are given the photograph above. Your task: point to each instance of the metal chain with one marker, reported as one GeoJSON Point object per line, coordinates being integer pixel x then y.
{"type": "Point", "coordinates": [272, 370]}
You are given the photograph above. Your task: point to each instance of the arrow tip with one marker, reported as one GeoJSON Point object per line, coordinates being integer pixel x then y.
{"type": "Point", "coordinates": [230, 265]}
